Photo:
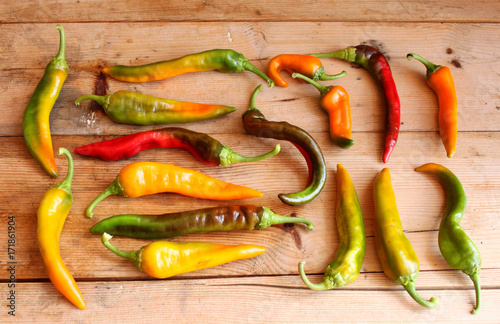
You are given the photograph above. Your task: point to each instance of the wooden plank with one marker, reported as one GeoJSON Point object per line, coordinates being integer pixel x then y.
{"type": "Point", "coordinates": [104, 44]}
{"type": "Point", "coordinates": [271, 10]}
{"type": "Point", "coordinates": [420, 201]}
{"type": "Point", "coordinates": [258, 299]}
{"type": "Point", "coordinates": [461, 35]}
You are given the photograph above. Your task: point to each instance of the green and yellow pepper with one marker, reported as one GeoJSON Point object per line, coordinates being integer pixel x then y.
{"type": "Point", "coordinates": [222, 60]}
{"type": "Point", "coordinates": [36, 126]}
{"type": "Point", "coordinates": [399, 260]}
{"type": "Point", "coordinates": [346, 266]}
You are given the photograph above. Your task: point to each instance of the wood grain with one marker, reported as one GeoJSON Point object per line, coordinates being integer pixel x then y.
{"type": "Point", "coordinates": [461, 35]}
{"type": "Point", "coordinates": [92, 46]}
{"type": "Point", "coordinates": [236, 10]}
{"type": "Point", "coordinates": [259, 299]}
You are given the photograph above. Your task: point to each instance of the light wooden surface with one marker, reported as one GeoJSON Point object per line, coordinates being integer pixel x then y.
{"type": "Point", "coordinates": [460, 34]}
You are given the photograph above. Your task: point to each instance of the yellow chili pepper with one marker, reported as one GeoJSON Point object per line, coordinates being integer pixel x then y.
{"type": "Point", "coordinates": [440, 80]}
{"type": "Point", "coordinates": [51, 215]}
{"type": "Point", "coordinates": [163, 259]}
{"type": "Point", "coordinates": [399, 260]}
{"type": "Point", "coordinates": [147, 178]}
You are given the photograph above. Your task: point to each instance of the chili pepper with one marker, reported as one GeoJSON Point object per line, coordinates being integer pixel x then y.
{"type": "Point", "coordinates": [399, 260]}
{"type": "Point", "coordinates": [335, 101]}
{"type": "Point", "coordinates": [376, 64]}
{"type": "Point", "coordinates": [223, 218]}
{"type": "Point", "coordinates": [205, 148]}
{"type": "Point", "coordinates": [51, 215]}
{"type": "Point", "coordinates": [163, 259]}
{"type": "Point", "coordinates": [222, 60]}
{"type": "Point", "coordinates": [256, 124]}
{"type": "Point", "coordinates": [36, 126]}
{"type": "Point", "coordinates": [456, 247]}
{"type": "Point", "coordinates": [346, 266]}
{"type": "Point", "coordinates": [139, 109]}
{"type": "Point", "coordinates": [440, 80]}
{"type": "Point", "coordinates": [147, 178]}
{"type": "Point", "coordinates": [308, 65]}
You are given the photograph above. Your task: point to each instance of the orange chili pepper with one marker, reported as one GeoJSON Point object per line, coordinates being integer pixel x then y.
{"type": "Point", "coordinates": [335, 101]}
{"type": "Point", "coordinates": [307, 65]}
{"type": "Point", "coordinates": [147, 178]}
{"type": "Point", "coordinates": [51, 215]}
{"type": "Point", "coordinates": [440, 80]}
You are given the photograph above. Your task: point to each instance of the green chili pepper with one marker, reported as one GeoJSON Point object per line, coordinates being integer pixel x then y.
{"type": "Point", "coordinates": [139, 109]}
{"type": "Point", "coordinates": [36, 127]}
{"type": "Point", "coordinates": [456, 247]}
{"type": "Point", "coordinates": [256, 124]}
{"type": "Point", "coordinates": [222, 60]}
{"type": "Point", "coordinates": [223, 218]}
{"type": "Point", "coordinates": [398, 259]}
{"type": "Point", "coordinates": [346, 266]}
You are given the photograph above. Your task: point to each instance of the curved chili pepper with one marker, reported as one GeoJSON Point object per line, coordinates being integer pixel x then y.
{"type": "Point", "coordinates": [440, 80]}
{"type": "Point", "coordinates": [456, 247]}
{"type": "Point", "coordinates": [147, 178]}
{"type": "Point", "coordinates": [36, 126]}
{"type": "Point", "coordinates": [399, 260]}
{"type": "Point", "coordinates": [203, 147]}
{"type": "Point", "coordinates": [335, 101]}
{"type": "Point", "coordinates": [308, 65]}
{"type": "Point", "coordinates": [51, 215]}
{"type": "Point", "coordinates": [139, 109]}
{"type": "Point", "coordinates": [375, 62]}
{"type": "Point", "coordinates": [256, 124]}
{"type": "Point", "coordinates": [223, 218]}
{"type": "Point", "coordinates": [163, 259]}
{"type": "Point", "coordinates": [222, 60]}
{"type": "Point", "coordinates": [346, 266]}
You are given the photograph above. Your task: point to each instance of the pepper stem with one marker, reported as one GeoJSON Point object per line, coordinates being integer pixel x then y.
{"type": "Point", "coordinates": [310, 285]}
{"type": "Point", "coordinates": [322, 89]}
{"type": "Point", "coordinates": [113, 189]}
{"type": "Point", "coordinates": [101, 100]}
{"type": "Point", "coordinates": [246, 65]}
{"type": "Point", "coordinates": [227, 156]}
{"type": "Point", "coordinates": [410, 288]}
{"type": "Point", "coordinates": [431, 67]}
{"type": "Point", "coordinates": [270, 218]}
{"type": "Point", "coordinates": [347, 54]}
{"type": "Point", "coordinates": [254, 97]}
{"type": "Point", "coordinates": [62, 46]}
{"type": "Point", "coordinates": [66, 183]}
{"type": "Point", "coordinates": [134, 256]}
{"type": "Point", "coordinates": [477, 287]}
{"type": "Point", "coordinates": [328, 77]}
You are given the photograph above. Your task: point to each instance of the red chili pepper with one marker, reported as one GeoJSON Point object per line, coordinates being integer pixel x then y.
{"type": "Point", "coordinates": [203, 147]}
{"type": "Point", "coordinates": [375, 62]}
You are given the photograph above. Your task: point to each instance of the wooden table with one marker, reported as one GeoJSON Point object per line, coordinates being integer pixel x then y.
{"type": "Point", "coordinates": [463, 35]}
